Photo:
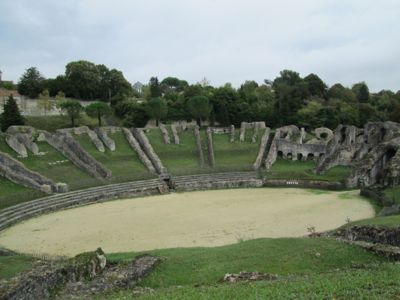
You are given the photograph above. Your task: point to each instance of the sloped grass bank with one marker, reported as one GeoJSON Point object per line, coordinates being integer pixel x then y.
{"type": "Point", "coordinates": [12, 193]}
{"type": "Point", "coordinates": [123, 162]}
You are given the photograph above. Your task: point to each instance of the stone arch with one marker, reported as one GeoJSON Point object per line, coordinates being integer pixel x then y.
{"type": "Point", "coordinates": [310, 156]}
{"type": "Point", "coordinates": [289, 155]}
{"type": "Point", "coordinates": [299, 156]}
{"type": "Point", "coordinates": [280, 154]}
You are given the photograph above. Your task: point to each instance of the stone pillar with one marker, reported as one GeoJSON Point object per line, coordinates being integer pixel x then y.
{"type": "Point", "coordinates": [255, 133]}
{"type": "Point", "coordinates": [174, 130]}
{"type": "Point", "coordinates": [164, 133]}
{"type": "Point", "coordinates": [198, 145]}
{"type": "Point", "coordinates": [242, 131]}
{"type": "Point", "coordinates": [211, 158]}
{"type": "Point", "coordinates": [261, 151]}
{"type": "Point", "coordinates": [232, 130]}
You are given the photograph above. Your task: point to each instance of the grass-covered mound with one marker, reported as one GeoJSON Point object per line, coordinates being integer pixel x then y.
{"type": "Point", "coordinates": [124, 163]}
{"type": "Point", "coordinates": [53, 165]}
{"type": "Point", "coordinates": [52, 123]}
{"type": "Point", "coordinates": [12, 265]}
{"type": "Point", "coordinates": [12, 193]}
{"type": "Point", "coordinates": [291, 169]}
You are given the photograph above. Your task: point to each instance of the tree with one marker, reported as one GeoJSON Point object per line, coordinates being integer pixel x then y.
{"type": "Point", "coordinates": [199, 107]}
{"type": "Point", "coordinates": [44, 102]}
{"type": "Point", "coordinates": [11, 114]}
{"type": "Point", "coordinates": [316, 87]}
{"type": "Point", "coordinates": [98, 110]}
{"type": "Point", "coordinates": [73, 109]}
{"type": "Point", "coordinates": [136, 115]}
{"type": "Point", "coordinates": [31, 83]}
{"type": "Point", "coordinates": [155, 88]}
{"type": "Point", "coordinates": [157, 109]}
{"type": "Point", "coordinates": [361, 91]}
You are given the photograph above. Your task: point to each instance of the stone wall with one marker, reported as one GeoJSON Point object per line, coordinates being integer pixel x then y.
{"type": "Point", "coordinates": [262, 149]}
{"type": "Point", "coordinates": [16, 145]}
{"type": "Point", "coordinates": [66, 145]}
{"type": "Point", "coordinates": [198, 146]}
{"type": "Point", "coordinates": [136, 146]}
{"type": "Point", "coordinates": [174, 129]}
{"type": "Point", "coordinates": [210, 147]}
{"type": "Point", "coordinates": [102, 134]}
{"type": "Point", "coordinates": [148, 149]}
{"type": "Point", "coordinates": [164, 133]}
{"type": "Point", "coordinates": [18, 173]}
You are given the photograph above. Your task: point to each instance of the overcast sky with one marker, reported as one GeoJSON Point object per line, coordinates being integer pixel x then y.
{"type": "Point", "coordinates": [222, 40]}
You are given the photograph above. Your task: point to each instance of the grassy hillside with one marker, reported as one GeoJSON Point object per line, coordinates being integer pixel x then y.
{"type": "Point", "coordinates": [52, 123]}
{"type": "Point", "coordinates": [53, 165]}
{"type": "Point", "coordinates": [12, 193]}
{"type": "Point", "coordinates": [123, 162]}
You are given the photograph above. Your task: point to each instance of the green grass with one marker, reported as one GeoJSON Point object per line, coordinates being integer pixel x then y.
{"type": "Point", "coordinates": [393, 194]}
{"type": "Point", "coordinates": [235, 156]}
{"type": "Point", "coordinates": [12, 265]}
{"type": "Point", "coordinates": [284, 256]}
{"type": "Point", "coordinates": [62, 172]}
{"type": "Point", "coordinates": [178, 159]}
{"type": "Point", "coordinates": [123, 162]}
{"type": "Point", "coordinates": [375, 282]}
{"type": "Point", "coordinates": [289, 169]}
{"type": "Point", "coordinates": [390, 221]}
{"type": "Point", "coordinates": [52, 123]}
{"type": "Point", "coordinates": [12, 193]}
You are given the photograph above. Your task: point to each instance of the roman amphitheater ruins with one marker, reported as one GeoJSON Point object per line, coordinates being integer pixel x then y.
{"type": "Point", "coordinates": [372, 153]}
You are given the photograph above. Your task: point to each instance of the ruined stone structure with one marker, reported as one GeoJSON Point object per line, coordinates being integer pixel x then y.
{"type": "Point", "coordinates": [66, 145]}
{"type": "Point", "coordinates": [288, 143]}
{"type": "Point", "coordinates": [373, 152]}
{"type": "Point", "coordinates": [148, 149]}
{"type": "Point", "coordinates": [18, 173]}
{"type": "Point", "coordinates": [255, 125]}
{"type": "Point", "coordinates": [232, 132]}
{"type": "Point", "coordinates": [86, 130]}
{"type": "Point", "coordinates": [174, 129]}
{"type": "Point", "coordinates": [198, 145]}
{"type": "Point", "coordinates": [16, 145]}
{"type": "Point", "coordinates": [165, 134]}
{"type": "Point", "coordinates": [263, 146]}
{"type": "Point", "coordinates": [136, 146]}
{"type": "Point", "coordinates": [102, 134]}
{"type": "Point", "coordinates": [210, 147]}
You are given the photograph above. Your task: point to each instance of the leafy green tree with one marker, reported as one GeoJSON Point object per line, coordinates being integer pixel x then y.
{"type": "Point", "coordinates": [11, 114]}
{"type": "Point", "coordinates": [316, 87]}
{"type": "Point", "coordinates": [98, 110]}
{"type": "Point", "coordinates": [225, 103]}
{"type": "Point", "coordinates": [338, 91]}
{"type": "Point", "coordinates": [31, 83]}
{"type": "Point", "coordinates": [199, 107]}
{"type": "Point", "coordinates": [73, 109]}
{"type": "Point", "coordinates": [44, 102]}
{"type": "Point", "coordinates": [157, 109]}
{"type": "Point", "coordinates": [136, 116]}
{"type": "Point", "coordinates": [173, 84]}
{"type": "Point", "coordinates": [155, 88]}
{"type": "Point", "coordinates": [361, 91]}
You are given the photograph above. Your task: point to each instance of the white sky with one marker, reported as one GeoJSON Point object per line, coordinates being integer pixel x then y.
{"type": "Point", "coordinates": [225, 41]}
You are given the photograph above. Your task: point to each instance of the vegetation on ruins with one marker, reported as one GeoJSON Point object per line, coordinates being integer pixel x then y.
{"type": "Point", "coordinates": [11, 114]}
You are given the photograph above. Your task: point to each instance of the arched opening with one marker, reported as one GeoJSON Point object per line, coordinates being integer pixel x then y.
{"type": "Point", "coordinates": [324, 135]}
{"type": "Point", "coordinates": [310, 156]}
{"type": "Point", "coordinates": [289, 156]}
{"type": "Point", "coordinates": [280, 154]}
{"type": "Point", "coordinates": [321, 155]}
{"type": "Point", "coordinates": [388, 155]}
{"type": "Point", "coordinates": [299, 156]}
{"type": "Point", "coordinates": [342, 134]}
{"type": "Point", "coordinates": [383, 132]}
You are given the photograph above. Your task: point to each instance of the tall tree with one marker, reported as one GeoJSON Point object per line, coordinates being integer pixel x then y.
{"type": "Point", "coordinates": [316, 87]}
{"type": "Point", "coordinates": [98, 110]}
{"type": "Point", "coordinates": [11, 114]}
{"type": "Point", "coordinates": [361, 91]}
{"type": "Point", "coordinates": [157, 109]}
{"type": "Point", "coordinates": [155, 88]}
{"type": "Point", "coordinates": [31, 83]}
{"type": "Point", "coordinates": [199, 107]}
{"type": "Point", "coordinates": [73, 109]}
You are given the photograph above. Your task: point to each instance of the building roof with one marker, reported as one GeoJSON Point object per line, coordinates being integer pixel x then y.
{"type": "Point", "coordinates": [6, 93]}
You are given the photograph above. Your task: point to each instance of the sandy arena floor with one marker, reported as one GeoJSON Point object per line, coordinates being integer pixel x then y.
{"type": "Point", "coordinates": [206, 218]}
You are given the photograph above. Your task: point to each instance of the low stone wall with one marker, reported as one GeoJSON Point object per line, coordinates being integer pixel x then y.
{"type": "Point", "coordinates": [372, 234]}
{"type": "Point", "coordinates": [102, 134]}
{"type": "Point", "coordinates": [66, 145]}
{"type": "Point", "coordinates": [18, 173]}
{"type": "Point", "coordinates": [304, 184]}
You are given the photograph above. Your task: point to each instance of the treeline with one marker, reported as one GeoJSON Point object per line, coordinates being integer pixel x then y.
{"type": "Point", "coordinates": [288, 99]}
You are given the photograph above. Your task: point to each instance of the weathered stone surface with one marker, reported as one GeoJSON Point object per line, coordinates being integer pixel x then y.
{"type": "Point", "coordinates": [148, 149]}
{"type": "Point", "coordinates": [18, 173]}
{"type": "Point", "coordinates": [164, 133]}
{"type": "Point", "coordinates": [255, 133]}
{"type": "Point", "coordinates": [174, 129]}
{"type": "Point", "coordinates": [262, 149]}
{"type": "Point", "coordinates": [96, 141]}
{"type": "Point", "coordinates": [232, 131]}
{"type": "Point", "coordinates": [66, 145]}
{"type": "Point", "coordinates": [114, 276]}
{"type": "Point", "coordinates": [372, 234]}
{"type": "Point", "coordinates": [46, 276]}
{"type": "Point", "coordinates": [210, 147]}
{"type": "Point", "coordinates": [136, 146]}
{"type": "Point", "coordinates": [20, 129]}
{"type": "Point", "coordinates": [102, 134]}
{"type": "Point", "coordinates": [323, 133]}
{"type": "Point", "coordinates": [249, 276]}
{"type": "Point", "coordinates": [198, 145]}
{"type": "Point", "coordinates": [16, 145]}
{"type": "Point", "coordinates": [27, 140]}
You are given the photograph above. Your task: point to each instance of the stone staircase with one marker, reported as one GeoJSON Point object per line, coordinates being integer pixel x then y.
{"type": "Point", "coordinates": [216, 181]}
{"type": "Point", "coordinates": [56, 202]}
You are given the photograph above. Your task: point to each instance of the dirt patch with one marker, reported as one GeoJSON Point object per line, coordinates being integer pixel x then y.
{"type": "Point", "coordinates": [204, 218]}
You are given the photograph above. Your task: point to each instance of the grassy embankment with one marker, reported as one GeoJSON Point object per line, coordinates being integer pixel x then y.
{"type": "Point", "coordinates": [52, 123]}
{"type": "Point", "coordinates": [123, 162]}
{"type": "Point", "coordinates": [182, 159]}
